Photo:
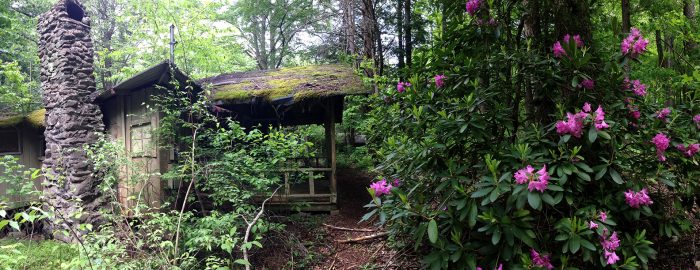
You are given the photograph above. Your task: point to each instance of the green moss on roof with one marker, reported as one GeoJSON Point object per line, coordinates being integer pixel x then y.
{"type": "Point", "coordinates": [35, 119]}
{"type": "Point", "coordinates": [298, 82]}
{"type": "Point", "coordinates": [11, 121]}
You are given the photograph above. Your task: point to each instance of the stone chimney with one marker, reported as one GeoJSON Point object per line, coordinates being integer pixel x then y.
{"type": "Point", "coordinates": [72, 119]}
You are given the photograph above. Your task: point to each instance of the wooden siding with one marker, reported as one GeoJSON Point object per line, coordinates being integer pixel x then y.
{"type": "Point", "coordinates": [128, 116]}
{"type": "Point", "coordinates": [30, 155]}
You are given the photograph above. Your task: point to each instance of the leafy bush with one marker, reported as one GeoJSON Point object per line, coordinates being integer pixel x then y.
{"type": "Point", "coordinates": [531, 161]}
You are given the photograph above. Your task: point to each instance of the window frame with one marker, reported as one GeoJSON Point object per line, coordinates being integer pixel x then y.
{"type": "Point", "coordinates": [149, 153]}
{"type": "Point", "coordinates": [18, 134]}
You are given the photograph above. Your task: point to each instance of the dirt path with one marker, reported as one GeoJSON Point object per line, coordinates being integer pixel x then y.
{"type": "Point", "coordinates": [311, 241]}
{"type": "Point", "coordinates": [369, 254]}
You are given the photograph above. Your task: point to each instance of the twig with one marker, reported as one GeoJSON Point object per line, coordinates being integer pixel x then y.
{"type": "Point", "coordinates": [250, 227]}
{"type": "Point", "coordinates": [333, 263]}
{"type": "Point", "coordinates": [363, 238]}
{"type": "Point", "coordinates": [371, 258]}
{"type": "Point", "coordinates": [349, 229]}
{"type": "Point", "coordinates": [187, 193]}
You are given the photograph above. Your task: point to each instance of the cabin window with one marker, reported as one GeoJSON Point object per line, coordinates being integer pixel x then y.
{"type": "Point", "coordinates": [9, 142]}
{"type": "Point", "coordinates": [141, 140]}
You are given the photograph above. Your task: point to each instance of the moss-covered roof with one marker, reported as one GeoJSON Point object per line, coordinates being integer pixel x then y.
{"type": "Point", "coordinates": [298, 83]}
{"type": "Point", "coordinates": [34, 119]}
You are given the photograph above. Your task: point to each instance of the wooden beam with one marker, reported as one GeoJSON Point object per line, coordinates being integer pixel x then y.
{"type": "Point", "coordinates": [330, 146]}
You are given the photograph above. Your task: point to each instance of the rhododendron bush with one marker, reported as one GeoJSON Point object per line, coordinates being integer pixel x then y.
{"type": "Point", "coordinates": [512, 157]}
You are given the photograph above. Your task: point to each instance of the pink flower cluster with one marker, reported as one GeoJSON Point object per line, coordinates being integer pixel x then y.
{"type": "Point", "coordinates": [536, 181]}
{"type": "Point", "coordinates": [577, 40]}
{"type": "Point", "coordinates": [634, 112]}
{"type": "Point", "coordinates": [440, 80]}
{"type": "Point", "coordinates": [600, 118]}
{"type": "Point", "coordinates": [634, 44]}
{"type": "Point", "coordinates": [610, 244]}
{"type": "Point", "coordinates": [637, 199]}
{"type": "Point", "coordinates": [636, 86]}
{"type": "Point", "coordinates": [689, 150]}
{"type": "Point", "coordinates": [587, 84]}
{"type": "Point", "coordinates": [593, 225]}
{"type": "Point", "coordinates": [402, 86]}
{"type": "Point", "coordinates": [473, 6]}
{"type": "Point", "coordinates": [558, 49]}
{"type": "Point", "coordinates": [541, 260]}
{"type": "Point", "coordinates": [575, 122]}
{"type": "Point", "coordinates": [663, 114]}
{"type": "Point", "coordinates": [661, 141]}
{"type": "Point", "coordinates": [696, 119]}
{"type": "Point", "coordinates": [382, 187]}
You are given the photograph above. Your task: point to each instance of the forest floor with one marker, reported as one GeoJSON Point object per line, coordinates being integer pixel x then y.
{"type": "Point", "coordinates": [313, 241]}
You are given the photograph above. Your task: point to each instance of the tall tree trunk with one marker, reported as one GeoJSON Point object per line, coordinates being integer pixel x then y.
{"type": "Point", "coordinates": [669, 50]}
{"type": "Point", "coordinates": [626, 20]}
{"type": "Point", "coordinates": [564, 12]}
{"type": "Point", "coordinates": [349, 26]}
{"type": "Point", "coordinates": [659, 47]}
{"type": "Point", "coordinates": [407, 32]}
{"type": "Point", "coordinates": [73, 192]}
{"type": "Point", "coordinates": [368, 38]}
{"type": "Point", "coordinates": [380, 48]}
{"type": "Point", "coordinates": [399, 30]}
{"type": "Point", "coordinates": [689, 12]}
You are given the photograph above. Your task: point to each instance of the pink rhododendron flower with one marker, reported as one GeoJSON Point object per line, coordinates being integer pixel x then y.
{"type": "Point", "coordinates": [609, 246]}
{"type": "Point", "coordinates": [440, 80]}
{"type": "Point", "coordinates": [586, 107]}
{"type": "Point", "coordinates": [577, 40]}
{"type": "Point", "coordinates": [663, 113]}
{"type": "Point", "coordinates": [381, 187]}
{"type": "Point", "coordinates": [689, 150]}
{"type": "Point", "coordinates": [696, 119]}
{"type": "Point", "coordinates": [611, 257]}
{"type": "Point", "coordinates": [637, 199]}
{"type": "Point", "coordinates": [558, 50]}
{"type": "Point", "coordinates": [587, 84]}
{"type": "Point", "coordinates": [573, 125]}
{"type": "Point", "coordinates": [639, 88]}
{"type": "Point", "coordinates": [592, 225]}
{"type": "Point", "coordinates": [600, 119]}
{"type": "Point", "coordinates": [634, 44]}
{"type": "Point", "coordinates": [603, 216]}
{"type": "Point", "coordinates": [661, 141]}
{"type": "Point", "coordinates": [535, 181]}
{"type": "Point", "coordinates": [540, 260]}
{"type": "Point", "coordinates": [523, 175]}
{"type": "Point", "coordinates": [402, 86]}
{"type": "Point", "coordinates": [634, 112]}
{"type": "Point", "coordinates": [473, 6]}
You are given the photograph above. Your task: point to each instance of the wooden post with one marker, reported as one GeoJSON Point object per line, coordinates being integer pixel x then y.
{"type": "Point", "coordinates": [330, 146]}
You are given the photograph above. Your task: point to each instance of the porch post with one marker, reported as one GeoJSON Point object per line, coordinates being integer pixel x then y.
{"type": "Point", "coordinates": [330, 146]}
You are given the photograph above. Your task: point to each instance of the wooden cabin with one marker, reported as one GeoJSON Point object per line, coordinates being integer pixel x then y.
{"type": "Point", "coordinates": [129, 118]}
{"type": "Point", "coordinates": [22, 137]}
{"type": "Point", "coordinates": [305, 95]}
{"type": "Point", "coordinates": [285, 97]}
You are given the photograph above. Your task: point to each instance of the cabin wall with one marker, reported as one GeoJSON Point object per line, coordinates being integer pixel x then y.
{"type": "Point", "coordinates": [28, 143]}
{"type": "Point", "coordinates": [131, 121]}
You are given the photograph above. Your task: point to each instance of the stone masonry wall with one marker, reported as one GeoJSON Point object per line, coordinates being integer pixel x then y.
{"type": "Point", "coordinates": [73, 120]}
